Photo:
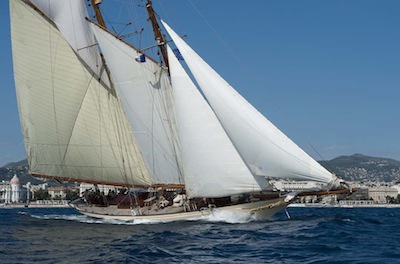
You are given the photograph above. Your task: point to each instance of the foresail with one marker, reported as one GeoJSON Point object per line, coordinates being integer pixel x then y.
{"type": "Point", "coordinates": [264, 148]}
{"type": "Point", "coordinates": [73, 126]}
{"type": "Point", "coordinates": [211, 164]}
{"type": "Point", "coordinates": [145, 93]}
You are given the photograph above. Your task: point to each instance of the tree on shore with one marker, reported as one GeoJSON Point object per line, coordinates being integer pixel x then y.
{"type": "Point", "coordinates": [41, 195]}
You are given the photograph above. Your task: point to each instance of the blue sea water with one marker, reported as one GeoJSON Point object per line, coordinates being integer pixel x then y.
{"type": "Point", "coordinates": [311, 235]}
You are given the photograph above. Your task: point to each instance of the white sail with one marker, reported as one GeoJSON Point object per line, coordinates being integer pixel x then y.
{"type": "Point", "coordinates": [145, 93]}
{"type": "Point", "coordinates": [70, 19]}
{"type": "Point", "coordinates": [211, 164]}
{"type": "Point", "coordinates": [73, 126]}
{"type": "Point", "coordinates": [264, 148]}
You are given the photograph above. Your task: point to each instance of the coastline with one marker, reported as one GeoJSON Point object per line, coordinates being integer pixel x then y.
{"type": "Point", "coordinates": [318, 205]}
{"type": "Point", "coordinates": [37, 204]}
{"type": "Point", "coordinates": [293, 205]}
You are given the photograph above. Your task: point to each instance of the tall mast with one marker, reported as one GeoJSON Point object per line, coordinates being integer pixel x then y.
{"type": "Point", "coordinates": [157, 32]}
{"type": "Point", "coordinates": [97, 13]}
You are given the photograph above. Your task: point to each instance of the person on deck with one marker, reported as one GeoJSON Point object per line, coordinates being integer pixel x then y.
{"type": "Point", "coordinates": [163, 202]}
{"type": "Point", "coordinates": [179, 200]}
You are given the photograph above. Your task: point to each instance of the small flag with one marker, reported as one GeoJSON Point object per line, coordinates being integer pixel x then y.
{"type": "Point", "coordinates": [141, 58]}
{"type": "Point", "coordinates": [178, 54]}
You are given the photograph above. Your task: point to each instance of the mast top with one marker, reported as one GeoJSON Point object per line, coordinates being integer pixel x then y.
{"type": "Point", "coordinates": [96, 8]}
{"type": "Point", "coordinates": [160, 38]}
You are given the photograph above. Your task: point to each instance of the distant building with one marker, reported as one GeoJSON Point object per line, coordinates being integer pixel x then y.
{"type": "Point", "coordinates": [15, 189]}
{"type": "Point", "coordinates": [60, 192]}
{"type": "Point", "coordinates": [356, 202]}
{"type": "Point", "coordinates": [10, 191]}
{"type": "Point", "coordinates": [5, 192]}
{"type": "Point", "coordinates": [379, 194]}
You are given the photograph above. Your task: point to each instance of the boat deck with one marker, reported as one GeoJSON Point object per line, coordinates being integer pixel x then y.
{"type": "Point", "coordinates": [114, 210]}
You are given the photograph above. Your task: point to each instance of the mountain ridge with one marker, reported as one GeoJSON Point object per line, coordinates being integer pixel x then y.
{"type": "Point", "coordinates": [362, 168]}
{"type": "Point", "coordinates": [355, 168]}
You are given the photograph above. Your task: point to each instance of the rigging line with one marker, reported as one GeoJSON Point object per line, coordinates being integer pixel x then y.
{"type": "Point", "coordinates": [126, 25]}
{"type": "Point", "coordinates": [157, 113]}
{"type": "Point", "coordinates": [158, 102]}
{"type": "Point", "coordinates": [132, 11]}
{"type": "Point", "coordinates": [172, 125]}
{"type": "Point", "coordinates": [99, 126]}
{"type": "Point", "coordinates": [139, 162]}
{"type": "Point", "coordinates": [143, 69]}
{"type": "Point", "coordinates": [140, 38]}
{"type": "Point", "coordinates": [165, 107]}
{"type": "Point", "coordinates": [108, 21]}
{"type": "Point", "coordinates": [219, 36]}
{"type": "Point", "coordinates": [322, 158]}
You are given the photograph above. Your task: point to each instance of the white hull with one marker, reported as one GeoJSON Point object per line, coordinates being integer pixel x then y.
{"type": "Point", "coordinates": [257, 210]}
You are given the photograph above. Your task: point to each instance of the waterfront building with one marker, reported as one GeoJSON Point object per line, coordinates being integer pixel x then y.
{"type": "Point", "coordinates": [10, 191]}
{"type": "Point", "coordinates": [15, 189]}
{"type": "Point", "coordinates": [356, 202]}
{"type": "Point", "coordinates": [58, 192]}
{"type": "Point", "coordinates": [379, 194]}
{"type": "Point", "coordinates": [5, 192]}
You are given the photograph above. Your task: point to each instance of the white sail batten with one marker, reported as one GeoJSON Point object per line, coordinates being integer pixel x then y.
{"type": "Point", "coordinates": [145, 93]}
{"type": "Point", "coordinates": [264, 148]}
{"type": "Point", "coordinates": [73, 126]}
{"type": "Point", "coordinates": [70, 19]}
{"type": "Point", "coordinates": [211, 164]}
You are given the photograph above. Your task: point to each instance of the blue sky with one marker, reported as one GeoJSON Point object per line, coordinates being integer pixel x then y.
{"type": "Point", "coordinates": [326, 73]}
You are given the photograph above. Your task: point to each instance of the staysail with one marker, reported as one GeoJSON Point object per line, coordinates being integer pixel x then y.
{"type": "Point", "coordinates": [211, 164]}
{"type": "Point", "coordinates": [264, 148]}
{"type": "Point", "coordinates": [145, 92]}
{"type": "Point", "coordinates": [73, 125]}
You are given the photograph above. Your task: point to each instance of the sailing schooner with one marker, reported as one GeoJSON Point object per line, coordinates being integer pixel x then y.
{"type": "Point", "coordinates": [120, 117]}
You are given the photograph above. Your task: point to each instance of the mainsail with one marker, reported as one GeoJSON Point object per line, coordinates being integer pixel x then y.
{"type": "Point", "coordinates": [265, 149]}
{"type": "Point", "coordinates": [73, 125]}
